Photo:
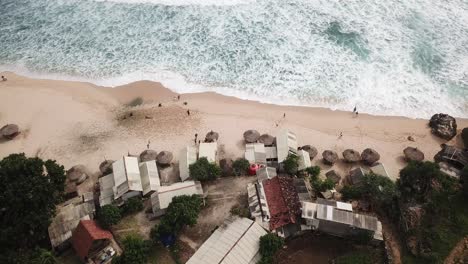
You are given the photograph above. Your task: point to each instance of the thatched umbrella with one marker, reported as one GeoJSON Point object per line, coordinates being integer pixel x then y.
{"type": "Point", "coordinates": [267, 139]}
{"type": "Point", "coordinates": [148, 155]}
{"type": "Point", "coordinates": [329, 157]}
{"type": "Point", "coordinates": [106, 167]}
{"type": "Point", "coordinates": [164, 157]}
{"type": "Point", "coordinates": [312, 151]}
{"type": "Point", "coordinates": [413, 154]}
{"type": "Point", "coordinates": [370, 156]}
{"type": "Point", "coordinates": [251, 136]}
{"type": "Point", "coordinates": [211, 136]}
{"type": "Point", "coordinates": [351, 155]}
{"type": "Point", "coordinates": [9, 131]}
{"type": "Point", "coordinates": [77, 174]}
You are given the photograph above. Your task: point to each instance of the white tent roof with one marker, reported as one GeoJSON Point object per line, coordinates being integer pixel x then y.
{"type": "Point", "coordinates": [255, 153]}
{"type": "Point", "coordinates": [187, 156]}
{"type": "Point", "coordinates": [304, 160]}
{"type": "Point", "coordinates": [126, 176]}
{"type": "Point", "coordinates": [236, 242]}
{"type": "Point", "coordinates": [163, 196]}
{"type": "Point", "coordinates": [149, 176]}
{"type": "Point", "coordinates": [286, 143]}
{"type": "Point", "coordinates": [208, 150]}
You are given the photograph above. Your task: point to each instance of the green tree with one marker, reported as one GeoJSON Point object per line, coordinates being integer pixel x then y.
{"type": "Point", "coordinates": [269, 245]}
{"type": "Point", "coordinates": [30, 188]}
{"type": "Point", "coordinates": [108, 216]}
{"type": "Point", "coordinates": [322, 185]}
{"type": "Point", "coordinates": [464, 180]}
{"type": "Point", "coordinates": [313, 171]}
{"type": "Point", "coordinates": [43, 256]}
{"type": "Point", "coordinates": [290, 164]}
{"type": "Point", "coordinates": [135, 251]}
{"type": "Point", "coordinates": [240, 166]}
{"type": "Point", "coordinates": [203, 170]}
{"type": "Point", "coordinates": [132, 205]}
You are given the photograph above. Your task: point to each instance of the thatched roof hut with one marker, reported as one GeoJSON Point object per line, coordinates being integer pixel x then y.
{"type": "Point", "coordinates": [211, 136]}
{"type": "Point", "coordinates": [334, 176]}
{"type": "Point", "coordinates": [106, 167]}
{"type": "Point", "coordinates": [77, 174]}
{"type": "Point", "coordinates": [413, 154]}
{"type": "Point", "coordinates": [351, 155]}
{"type": "Point", "coordinates": [329, 157]}
{"type": "Point", "coordinates": [312, 151]}
{"type": "Point", "coordinates": [251, 136]}
{"type": "Point", "coordinates": [164, 157]}
{"type": "Point", "coordinates": [370, 156]}
{"type": "Point", "coordinates": [9, 131]}
{"type": "Point", "coordinates": [148, 155]}
{"type": "Point", "coordinates": [267, 139]}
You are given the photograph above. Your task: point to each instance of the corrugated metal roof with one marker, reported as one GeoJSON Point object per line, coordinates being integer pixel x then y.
{"type": "Point", "coordinates": [330, 213]}
{"type": "Point", "coordinates": [271, 153]}
{"type": "Point", "coordinates": [255, 153]}
{"type": "Point", "coordinates": [379, 169]}
{"type": "Point", "coordinates": [304, 160]}
{"type": "Point", "coordinates": [126, 176]}
{"type": "Point", "coordinates": [208, 150]}
{"type": "Point", "coordinates": [163, 196]}
{"type": "Point", "coordinates": [187, 156]}
{"type": "Point", "coordinates": [286, 143]}
{"type": "Point", "coordinates": [236, 242]}
{"type": "Point", "coordinates": [106, 184]}
{"type": "Point", "coordinates": [265, 174]}
{"type": "Point", "coordinates": [149, 176]}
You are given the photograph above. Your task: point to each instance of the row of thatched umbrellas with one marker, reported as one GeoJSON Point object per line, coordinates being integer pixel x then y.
{"type": "Point", "coordinates": [253, 136]}
{"type": "Point", "coordinates": [368, 156]}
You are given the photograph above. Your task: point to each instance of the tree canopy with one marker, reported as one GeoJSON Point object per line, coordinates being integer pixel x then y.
{"type": "Point", "coordinates": [290, 164]}
{"type": "Point", "coordinates": [240, 166]}
{"type": "Point", "coordinates": [135, 251]}
{"type": "Point", "coordinates": [203, 170]}
{"type": "Point", "coordinates": [132, 205]}
{"type": "Point", "coordinates": [108, 216]}
{"type": "Point", "coordinates": [269, 245]}
{"type": "Point", "coordinates": [30, 188]}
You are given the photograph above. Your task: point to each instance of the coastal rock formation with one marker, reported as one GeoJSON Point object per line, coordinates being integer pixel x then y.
{"type": "Point", "coordinates": [413, 154]}
{"type": "Point", "coordinates": [443, 125]}
{"type": "Point", "coordinates": [106, 167]}
{"type": "Point", "coordinates": [9, 131]}
{"type": "Point", "coordinates": [251, 136]}
{"type": "Point", "coordinates": [267, 139]}
{"type": "Point", "coordinates": [329, 157]}
{"type": "Point", "coordinates": [77, 174]}
{"type": "Point", "coordinates": [226, 167]}
{"type": "Point", "coordinates": [351, 155]}
{"type": "Point", "coordinates": [370, 156]}
{"type": "Point", "coordinates": [334, 176]}
{"type": "Point", "coordinates": [464, 136]}
{"type": "Point", "coordinates": [148, 155]}
{"type": "Point", "coordinates": [211, 136]}
{"type": "Point", "coordinates": [312, 151]}
{"type": "Point", "coordinates": [164, 157]}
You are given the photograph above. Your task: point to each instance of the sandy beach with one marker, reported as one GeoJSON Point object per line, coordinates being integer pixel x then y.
{"type": "Point", "coordinates": [80, 123]}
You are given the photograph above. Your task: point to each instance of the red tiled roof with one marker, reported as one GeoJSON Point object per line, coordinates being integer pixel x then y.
{"type": "Point", "coordinates": [85, 234]}
{"type": "Point", "coordinates": [283, 201]}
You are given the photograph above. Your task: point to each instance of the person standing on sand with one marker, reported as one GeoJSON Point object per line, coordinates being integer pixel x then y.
{"type": "Point", "coordinates": [196, 136]}
{"type": "Point", "coordinates": [284, 115]}
{"type": "Point", "coordinates": [357, 113]}
{"type": "Point", "coordinates": [188, 112]}
{"type": "Point", "coordinates": [148, 145]}
{"type": "Point", "coordinates": [159, 105]}
{"type": "Point", "coordinates": [178, 97]}
{"type": "Point", "coordinates": [354, 110]}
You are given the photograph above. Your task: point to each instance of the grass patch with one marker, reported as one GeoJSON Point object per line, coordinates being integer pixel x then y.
{"type": "Point", "coordinates": [127, 226]}
{"type": "Point", "coordinates": [362, 256]}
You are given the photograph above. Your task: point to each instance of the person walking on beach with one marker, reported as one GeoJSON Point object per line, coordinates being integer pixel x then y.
{"type": "Point", "coordinates": [341, 135]}
{"type": "Point", "coordinates": [196, 136]}
{"type": "Point", "coordinates": [354, 110]}
{"type": "Point", "coordinates": [148, 145]}
{"type": "Point", "coordinates": [284, 115]}
{"type": "Point", "coordinates": [188, 112]}
{"type": "Point", "coordinates": [159, 105]}
{"type": "Point", "coordinates": [4, 79]}
{"type": "Point", "coordinates": [357, 113]}
{"type": "Point", "coordinates": [178, 97]}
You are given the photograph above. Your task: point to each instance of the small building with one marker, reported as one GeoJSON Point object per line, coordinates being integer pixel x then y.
{"type": "Point", "coordinates": [208, 150]}
{"type": "Point", "coordinates": [379, 169]}
{"type": "Point", "coordinates": [161, 198]}
{"type": "Point", "coordinates": [301, 189]}
{"type": "Point", "coordinates": [304, 160]}
{"type": "Point", "coordinates": [255, 153]}
{"type": "Point", "coordinates": [92, 244]}
{"type": "Point", "coordinates": [356, 176]}
{"type": "Point", "coordinates": [149, 177]}
{"type": "Point", "coordinates": [127, 178]}
{"type": "Point", "coordinates": [187, 157]}
{"type": "Point", "coordinates": [237, 241]}
{"type": "Point", "coordinates": [286, 143]}
{"type": "Point", "coordinates": [454, 157]}
{"type": "Point", "coordinates": [265, 173]}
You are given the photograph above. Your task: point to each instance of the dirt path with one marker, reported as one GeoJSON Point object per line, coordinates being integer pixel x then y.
{"type": "Point", "coordinates": [392, 242]}
{"type": "Point", "coordinates": [459, 252]}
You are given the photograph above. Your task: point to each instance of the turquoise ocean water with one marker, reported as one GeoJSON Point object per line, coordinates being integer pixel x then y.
{"type": "Point", "coordinates": [394, 57]}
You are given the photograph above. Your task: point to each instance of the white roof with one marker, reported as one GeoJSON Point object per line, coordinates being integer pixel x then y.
{"type": "Point", "coordinates": [126, 176]}
{"type": "Point", "coordinates": [308, 210]}
{"type": "Point", "coordinates": [379, 169]}
{"type": "Point", "coordinates": [286, 142]}
{"type": "Point", "coordinates": [304, 160]}
{"type": "Point", "coordinates": [255, 153]}
{"type": "Point", "coordinates": [344, 206]}
{"type": "Point", "coordinates": [149, 176]}
{"type": "Point", "coordinates": [236, 242]}
{"type": "Point", "coordinates": [187, 156]}
{"type": "Point", "coordinates": [106, 185]}
{"type": "Point", "coordinates": [271, 153]}
{"type": "Point", "coordinates": [208, 150]}
{"type": "Point", "coordinates": [163, 196]}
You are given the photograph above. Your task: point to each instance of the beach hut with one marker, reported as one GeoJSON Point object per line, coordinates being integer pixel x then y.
{"type": "Point", "coordinates": [188, 156]}
{"type": "Point", "coordinates": [251, 136]}
{"type": "Point", "coordinates": [453, 156]}
{"type": "Point", "coordinates": [255, 153]}
{"type": "Point", "coordinates": [77, 174]}
{"type": "Point", "coordinates": [149, 177]}
{"type": "Point", "coordinates": [304, 160]}
{"type": "Point", "coordinates": [127, 178]}
{"type": "Point", "coordinates": [106, 167]}
{"type": "Point", "coordinates": [265, 173]}
{"type": "Point", "coordinates": [379, 169]}
{"type": "Point", "coordinates": [334, 176]}
{"type": "Point", "coordinates": [148, 155]}
{"type": "Point", "coordinates": [356, 175]}
{"type": "Point", "coordinates": [161, 198]}
{"type": "Point", "coordinates": [286, 143]}
{"type": "Point", "coordinates": [208, 150]}
{"type": "Point", "coordinates": [89, 240]}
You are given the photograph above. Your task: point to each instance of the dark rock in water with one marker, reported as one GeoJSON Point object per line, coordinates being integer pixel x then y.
{"type": "Point", "coordinates": [464, 136]}
{"type": "Point", "coordinates": [226, 167]}
{"type": "Point", "coordinates": [443, 125]}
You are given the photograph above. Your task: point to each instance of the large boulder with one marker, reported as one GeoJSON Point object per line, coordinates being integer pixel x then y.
{"type": "Point", "coordinates": [9, 131]}
{"type": "Point", "coordinates": [226, 167]}
{"type": "Point", "coordinates": [312, 151]}
{"type": "Point", "coordinates": [370, 156]}
{"type": "Point", "coordinates": [351, 155]}
{"type": "Point", "coordinates": [329, 157]}
{"type": "Point", "coordinates": [106, 167]}
{"type": "Point", "coordinates": [413, 154]}
{"type": "Point", "coordinates": [148, 155]}
{"type": "Point", "coordinates": [443, 125]}
{"type": "Point", "coordinates": [464, 136]}
{"type": "Point", "coordinates": [251, 136]}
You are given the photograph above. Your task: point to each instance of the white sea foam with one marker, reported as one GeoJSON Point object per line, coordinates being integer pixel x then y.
{"type": "Point", "coordinates": [183, 2]}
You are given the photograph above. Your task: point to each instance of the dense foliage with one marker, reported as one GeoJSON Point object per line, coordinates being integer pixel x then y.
{"type": "Point", "coordinates": [290, 164]}
{"type": "Point", "coordinates": [240, 166]}
{"type": "Point", "coordinates": [269, 245]}
{"type": "Point", "coordinates": [108, 216]}
{"type": "Point", "coordinates": [135, 251]}
{"type": "Point", "coordinates": [464, 180]}
{"type": "Point", "coordinates": [203, 170]}
{"type": "Point", "coordinates": [318, 184]}
{"type": "Point", "coordinates": [182, 211]}
{"type": "Point", "coordinates": [313, 171]}
{"type": "Point", "coordinates": [132, 205]}
{"type": "Point", "coordinates": [30, 188]}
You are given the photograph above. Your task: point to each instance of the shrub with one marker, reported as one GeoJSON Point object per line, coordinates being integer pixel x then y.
{"type": "Point", "coordinates": [135, 251]}
{"type": "Point", "coordinates": [313, 171]}
{"type": "Point", "coordinates": [269, 245]}
{"type": "Point", "coordinates": [464, 180]}
{"type": "Point", "coordinates": [240, 166]}
{"type": "Point", "coordinates": [322, 186]}
{"type": "Point", "coordinates": [290, 164]}
{"type": "Point", "coordinates": [108, 216]}
{"type": "Point", "coordinates": [240, 211]}
{"type": "Point", "coordinates": [202, 170]}
{"type": "Point", "coordinates": [132, 205]}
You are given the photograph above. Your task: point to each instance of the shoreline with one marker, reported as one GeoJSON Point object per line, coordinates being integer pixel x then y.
{"type": "Point", "coordinates": [81, 123]}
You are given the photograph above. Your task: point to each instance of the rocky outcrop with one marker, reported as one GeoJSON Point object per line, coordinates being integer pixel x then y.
{"type": "Point", "coordinates": [443, 125]}
{"type": "Point", "coordinates": [464, 136]}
